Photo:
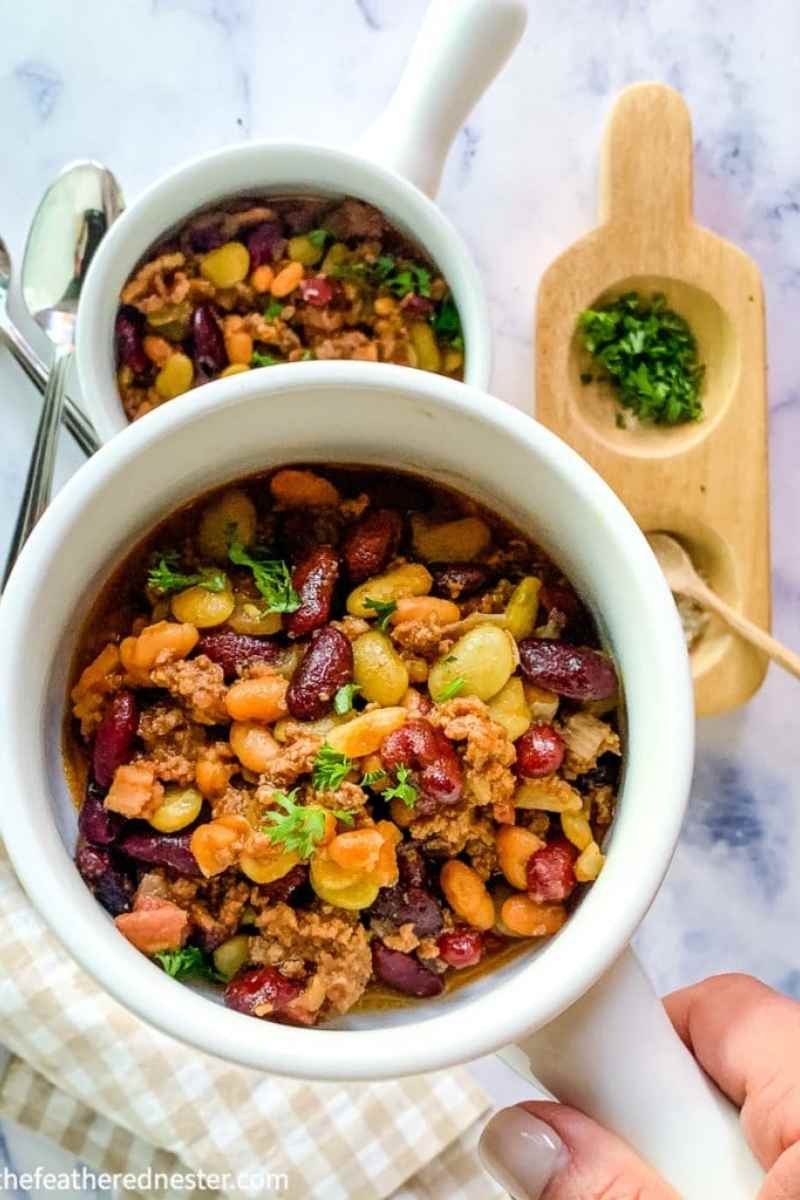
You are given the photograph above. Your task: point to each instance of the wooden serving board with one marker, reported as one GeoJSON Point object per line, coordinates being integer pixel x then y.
{"type": "Point", "coordinates": [704, 482]}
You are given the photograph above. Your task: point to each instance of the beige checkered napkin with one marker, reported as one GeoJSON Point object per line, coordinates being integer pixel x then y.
{"type": "Point", "coordinates": [123, 1097]}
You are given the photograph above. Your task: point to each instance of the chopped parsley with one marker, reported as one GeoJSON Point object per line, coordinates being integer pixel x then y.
{"type": "Point", "coordinates": [371, 777]}
{"type": "Point", "coordinates": [383, 610]}
{"type": "Point", "coordinates": [183, 963]}
{"type": "Point", "coordinates": [400, 278]}
{"type": "Point", "coordinates": [447, 324]}
{"type": "Point", "coordinates": [650, 355]}
{"type": "Point", "coordinates": [299, 827]}
{"type": "Point", "coordinates": [452, 689]}
{"type": "Point", "coordinates": [263, 360]}
{"type": "Point", "coordinates": [329, 769]}
{"type": "Point", "coordinates": [271, 576]}
{"type": "Point", "coordinates": [164, 577]}
{"type": "Point", "coordinates": [318, 237]}
{"type": "Point", "coordinates": [402, 789]}
{"type": "Point", "coordinates": [343, 700]}
{"type": "Point", "coordinates": [273, 310]}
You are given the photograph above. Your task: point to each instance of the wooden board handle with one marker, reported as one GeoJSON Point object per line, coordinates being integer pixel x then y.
{"type": "Point", "coordinates": [646, 167]}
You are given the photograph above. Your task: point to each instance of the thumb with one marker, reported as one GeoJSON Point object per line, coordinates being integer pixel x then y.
{"type": "Point", "coordinates": [543, 1151]}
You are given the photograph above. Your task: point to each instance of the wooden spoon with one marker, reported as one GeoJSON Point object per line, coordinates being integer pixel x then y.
{"type": "Point", "coordinates": [683, 578]}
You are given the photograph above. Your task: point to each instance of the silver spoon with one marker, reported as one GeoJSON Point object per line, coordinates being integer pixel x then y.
{"type": "Point", "coordinates": [76, 422]}
{"type": "Point", "coordinates": [70, 221]}
{"type": "Point", "coordinates": [682, 577]}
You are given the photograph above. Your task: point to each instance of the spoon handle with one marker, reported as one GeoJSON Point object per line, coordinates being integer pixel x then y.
{"type": "Point", "coordinates": [39, 483]}
{"type": "Point", "coordinates": [774, 649]}
{"type": "Point", "coordinates": [75, 420]}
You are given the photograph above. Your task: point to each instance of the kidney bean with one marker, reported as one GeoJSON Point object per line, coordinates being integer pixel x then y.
{"type": "Point", "coordinates": [108, 882]}
{"type": "Point", "coordinates": [417, 306]}
{"type": "Point", "coordinates": [318, 290]}
{"type": "Point", "coordinates": [409, 905]}
{"type": "Point", "coordinates": [281, 889]}
{"type": "Point", "coordinates": [114, 738]}
{"type": "Point", "coordinates": [302, 529]}
{"type": "Point", "coordinates": [162, 850]}
{"type": "Point", "coordinates": [266, 243]}
{"type": "Point", "coordinates": [551, 871]}
{"type": "Point", "coordinates": [556, 595]}
{"type": "Point", "coordinates": [573, 671]}
{"type": "Point", "coordinates": [540, 751]}
{"type": "Point", "coordinates": [461, 947]}
{"type": "Point", "coordinates": [404, 973]}
{"type": "Point", "coordinates": [327, 666]}
{"type": "Point", "coordinates": [128, 334]}
{"type": "Point", "coordinates": [205, 237]}
{"type": "Point", "coordinates": [208, 344]}
{"type": "Point", "coordinates": [434, 764]}
{"type": "Point", "coordinates": [371, 543]}
{"type": "Point", "coordinates": [453, 580]}
{"type": "Point", "coordinates": [314, 580]}
{"type": "Point", "coordinates": [95, 823]}
{"type": "Point", "coordinates": [232, 650]}
{"type": "Point", "coordinates": [412, 866]}
{"type": "Point", "coordinates": [262, 992]}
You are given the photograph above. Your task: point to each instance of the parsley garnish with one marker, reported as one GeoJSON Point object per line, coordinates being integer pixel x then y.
{"type": "Point", "coordinates": [371, 777]}
{"type": "Point", "coordinates": [383, 609]}
{"type": "Point", "coordinates": [318, 237]}
{"type": "Point", "coordinates": [263, 360]}
{"type": "Point", "coordinates": [189, 960]}
{"type": "Point", "coordinates": [308, 356]}
{"type": "Point", "coordinates": [273, 310]}
{"type": "Point", "coordinates": [650, 354]}
{"type": "Point", "coordinates": [452, 689]}
{"type": "Point", "coordinates": [447, 324]}
{"type": "Point", "coordinates": [343, 700]}
{"type": "Point", "coordinates": [402, 789]}
{"type": "Point", "coordinates": [300, 827]}
{"type": "Point", "coordinates": [400, 278]}
{"type": "Point", "coordinates": [329, 769]}
{"type": "Point", "coordinates": [409, 278]}
{"type": "Point", "coordinates": [271, 576]}
{"type": "Point", "coordinates": [164, 578]}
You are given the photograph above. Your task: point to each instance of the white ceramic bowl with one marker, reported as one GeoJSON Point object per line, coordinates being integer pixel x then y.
{"type": "Point", "coordinates": [381, 415]}
{"type": "Point", "coordinates": [459, 50]}
{"type": "Point", "coordinates": [351, 412]}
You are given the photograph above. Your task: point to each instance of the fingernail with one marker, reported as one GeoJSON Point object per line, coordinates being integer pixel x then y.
{"type": "Point", "coordinates": [521, 1153]}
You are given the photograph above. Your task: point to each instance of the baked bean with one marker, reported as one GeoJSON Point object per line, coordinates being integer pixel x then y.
{"type": "Point", "coordinates": [227, 265]}
{"type": "Point", "coordinates": [286, 280]}
{"type": "Point", "coordinates": [523, 606]}
{"type": "Point", "coordinates": [425, 608]}
{"type": "Point", "coordinates": [253, 745]}
{"type": "Point", "coordinates": [366, 733]}
{"type": "Point", "coordinates": [523, 917]}
{"type": "Point", "coordinates": [269, 865]}
{"type": "Point", "coordinates": [262, 698]}
{"type": "Point", "coordinates": [326, 666]}
{"type": "Point", "coordinates": [314, 580]}
{"type": "Point", "coordinates": [232, 955]}
{"type": "Point", "coordinates": [302, 489]}
{"type": "Point", "coordinates": [515, 846]}
{"type": "Point", "coordinates": [356, 849]}
{"type": "Point", "coordinates": [217, 844]}
{"type": "Point", "coordinates": [589, 863]}
{"type": "Point", "coordinates": [466, 894]}
{"type": "Point", "coordinates": [161, 643]}
{"type": "Point", "coordinates": [371, 543]}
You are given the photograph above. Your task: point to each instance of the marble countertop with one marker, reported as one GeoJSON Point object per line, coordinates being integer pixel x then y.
{"type": "Point", "coordinates": [143, 84]}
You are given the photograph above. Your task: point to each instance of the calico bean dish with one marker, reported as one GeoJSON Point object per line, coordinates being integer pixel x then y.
{"type": "Point", "coordinates": [284, 279]}
{"type": "Point", "coordinates": [339, 736]}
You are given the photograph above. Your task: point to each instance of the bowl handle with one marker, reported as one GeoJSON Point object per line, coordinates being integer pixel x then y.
{"type": "Point", "coordinates": [615, 1055]}
{"type": "Point", "coordinates": [461, 46]}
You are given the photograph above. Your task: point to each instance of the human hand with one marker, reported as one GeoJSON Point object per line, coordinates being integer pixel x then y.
{"type": "Point", "coordinates": [745, 1036]}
